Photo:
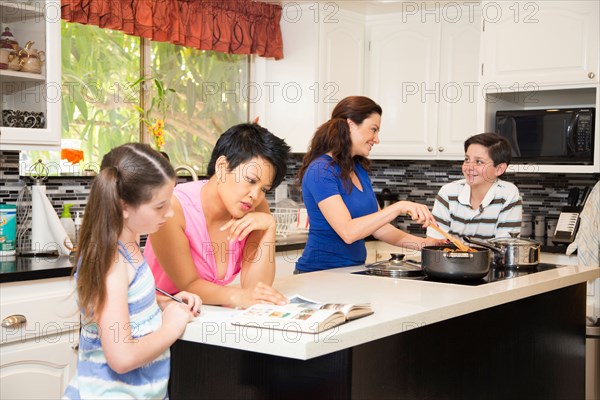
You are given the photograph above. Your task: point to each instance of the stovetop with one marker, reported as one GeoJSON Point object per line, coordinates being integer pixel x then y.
{"type": "Point", "coordinates": [495, 274]}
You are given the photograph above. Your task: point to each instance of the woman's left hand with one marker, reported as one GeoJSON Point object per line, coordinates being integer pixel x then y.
{"type": "Point", "coordinates": [240, 228]}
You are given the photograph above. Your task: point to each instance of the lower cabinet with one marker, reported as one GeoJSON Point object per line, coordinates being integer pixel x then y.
{"type": "Point", "coordinates": [38, 368]}
{"type": "Point", "coordinates": [39, 338]}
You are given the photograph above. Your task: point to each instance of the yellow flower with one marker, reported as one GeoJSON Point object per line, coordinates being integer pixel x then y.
{"type": "Point", "coordinates": [158, 132]}
{"type": "Point", "coordinates": [159, 106]}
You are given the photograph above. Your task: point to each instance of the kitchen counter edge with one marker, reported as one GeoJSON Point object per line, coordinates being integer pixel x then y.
{"type": "Point", "coordinates": [399, 306]}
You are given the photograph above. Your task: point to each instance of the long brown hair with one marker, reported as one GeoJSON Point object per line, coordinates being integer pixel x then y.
{"type": "Point", "coordinates": [129, 173]}
{"type": "Point", "coordinates": [334, 136]}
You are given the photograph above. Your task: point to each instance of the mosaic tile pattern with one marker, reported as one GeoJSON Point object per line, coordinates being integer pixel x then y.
{"type": "Point", "coordinates": [420, 180]}
{"type": "Point", "coordinates": [543, 194]}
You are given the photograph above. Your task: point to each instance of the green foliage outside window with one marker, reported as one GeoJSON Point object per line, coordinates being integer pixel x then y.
{"type": "Point", "coordinates": [206, 102]}
{"type": "Point", "coordinates": [99, 103]}
{"type": "Point", "coordinates": [97, 108]}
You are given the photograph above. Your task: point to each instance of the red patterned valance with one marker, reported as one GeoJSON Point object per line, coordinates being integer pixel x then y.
{"type": "Point", "coordinates": [228, 26]}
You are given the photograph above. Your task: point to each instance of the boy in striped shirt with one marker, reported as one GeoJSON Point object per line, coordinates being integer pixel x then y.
{"type": "Point", "coordinates": [480, 205]}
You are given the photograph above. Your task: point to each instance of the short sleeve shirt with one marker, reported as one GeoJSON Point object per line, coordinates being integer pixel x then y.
{"type": "Point", "coordinates": [325, 249]}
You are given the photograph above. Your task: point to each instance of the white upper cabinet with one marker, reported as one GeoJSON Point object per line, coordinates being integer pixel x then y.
{"type": "Point", "coordinates": [403, 67]}
{"type": "Point", "coordinates": [457, 107]}
{"type": "Point", "coordinates": [343, 58]}
{"type": "Point", "coordinates": [30, 99]}
{"type": "Point", "coordinates": [541, 43]}
{"type": "Point", "coordinates": [540, 55]}
{"type": "Point", "coordinates": [423, 71]}
{"type": "Point", "coordinates": [323, 62]}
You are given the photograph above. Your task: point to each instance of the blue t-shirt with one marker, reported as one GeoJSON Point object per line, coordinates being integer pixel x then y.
{"type": "Point", "coordinates": [324, 248]}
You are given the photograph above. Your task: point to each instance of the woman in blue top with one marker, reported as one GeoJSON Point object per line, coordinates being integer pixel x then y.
{"type": "Point", "coordinates": [338, 195]}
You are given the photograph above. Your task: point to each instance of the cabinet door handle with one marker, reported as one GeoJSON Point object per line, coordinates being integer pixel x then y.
{"type": "Point", "coordinates": [440, 149]}
{"type": "Point", "coordinates": [591, 75]}
{"type": "Point", "coordinates": [430, 149]}
{"type": "Point", "coordinates": [13, 320]}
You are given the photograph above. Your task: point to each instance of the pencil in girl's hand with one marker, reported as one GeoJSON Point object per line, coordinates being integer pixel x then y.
{"type": "Point", "coordinates": [177, 299]}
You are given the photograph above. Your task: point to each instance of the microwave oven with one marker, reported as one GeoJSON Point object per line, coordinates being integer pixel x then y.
{"type": "Point", "coordinates": [549, 136]}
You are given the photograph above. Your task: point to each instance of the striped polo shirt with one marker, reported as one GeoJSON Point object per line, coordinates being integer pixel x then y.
{"type": "Point", "coordinates": [499, 214]}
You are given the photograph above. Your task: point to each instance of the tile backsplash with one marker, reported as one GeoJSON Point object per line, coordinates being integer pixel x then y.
{"type": "Point", "coordinates": [420, 180]}
{"type": "Point", "coordinates": [543, 194]}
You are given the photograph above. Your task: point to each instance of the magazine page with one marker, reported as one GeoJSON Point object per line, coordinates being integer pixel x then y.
{"type": "Point", "coordinates": [302, 316]}
{"type": "Point", "coordinates": [351, 311]}
{"type": "Point", "coordinates": [297, 299]}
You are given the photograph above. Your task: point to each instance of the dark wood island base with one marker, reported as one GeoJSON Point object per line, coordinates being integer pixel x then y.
{"type": "Point", "coordinates": [532, 348]}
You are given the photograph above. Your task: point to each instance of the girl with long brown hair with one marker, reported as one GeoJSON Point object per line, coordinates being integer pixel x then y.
{"type": "Point", "coordinates": [125, 339]}
{"type": "Point", "coordinates": [336, 188]}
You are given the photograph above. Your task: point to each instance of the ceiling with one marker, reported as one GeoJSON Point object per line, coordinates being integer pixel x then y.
{"type": "Point", "coordinates": [366, 7]}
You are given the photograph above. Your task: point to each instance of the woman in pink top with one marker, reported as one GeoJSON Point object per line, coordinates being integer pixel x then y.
{"type": "Point", "coordinates": [222, 226]}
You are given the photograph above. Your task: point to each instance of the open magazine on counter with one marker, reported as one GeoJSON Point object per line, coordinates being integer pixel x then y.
{"type": "Point", "coordinates": [301, 314]}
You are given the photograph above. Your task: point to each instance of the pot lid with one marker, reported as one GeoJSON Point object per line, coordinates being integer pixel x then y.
{"type": "Point", "coordinates": [516, 241]}
{"type": "Point", "coordinates": [396, 266]}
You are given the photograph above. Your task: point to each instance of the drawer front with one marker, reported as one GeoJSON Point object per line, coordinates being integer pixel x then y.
{"type": "Point", "coordinates": [34, 311]}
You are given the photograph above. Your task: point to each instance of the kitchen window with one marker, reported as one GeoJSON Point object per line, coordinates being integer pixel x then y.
{"type": "Point", "coordinates": [99, 104]}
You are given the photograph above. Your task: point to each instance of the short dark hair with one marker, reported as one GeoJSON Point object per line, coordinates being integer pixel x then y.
{"type": "Point", "coordinates": [498, 147]}
{"type": "Point", "coordinates": [242, 142]}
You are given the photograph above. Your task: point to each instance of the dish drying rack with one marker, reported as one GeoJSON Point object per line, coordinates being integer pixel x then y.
{"type": "Point", "coordinates": [290, 221]}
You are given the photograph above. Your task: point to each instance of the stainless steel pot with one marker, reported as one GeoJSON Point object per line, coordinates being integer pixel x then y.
{"type": "Point", "coordinates": [455, 265]}
{"type": "Point", "coordinates": [511, 252]}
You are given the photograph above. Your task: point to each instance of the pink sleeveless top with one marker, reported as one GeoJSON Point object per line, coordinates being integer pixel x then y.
{"type": "Point", "coordinates": [202, 248]}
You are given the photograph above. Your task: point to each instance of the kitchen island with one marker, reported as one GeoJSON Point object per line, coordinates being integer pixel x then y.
{"type": "Point", "coordinates": [518, 338]}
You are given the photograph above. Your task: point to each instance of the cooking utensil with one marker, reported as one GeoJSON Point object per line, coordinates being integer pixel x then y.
{"type": "Point", "coordinates": [459, 244]}
{"type": "Point", "coordinates": [395, 267]}
{"type": "Point", "coordinates": [511, 252]}
{"type": "Point", "coordinates": [455, 265]}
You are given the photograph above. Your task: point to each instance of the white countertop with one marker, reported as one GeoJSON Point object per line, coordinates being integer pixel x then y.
{"type": "Point", "coordinates": [399, 305]}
